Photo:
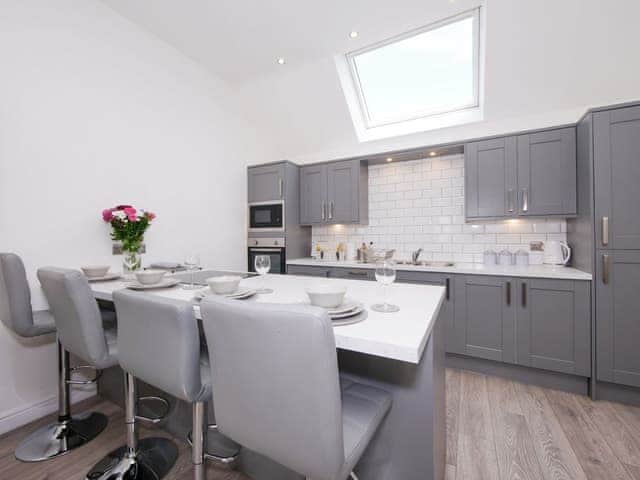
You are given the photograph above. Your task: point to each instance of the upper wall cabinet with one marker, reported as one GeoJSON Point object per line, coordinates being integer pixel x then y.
{"type": "Point", "coordinates": [334, 193]}
{"type": "Point", "coordinates": [525, 175]}
{"type": "Point", "coordinates": [266, 183]}
{"type": "Point", "coordinates": [617, 178]}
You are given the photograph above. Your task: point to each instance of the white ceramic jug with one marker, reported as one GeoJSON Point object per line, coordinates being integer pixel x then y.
{"type": "Point", "coordinates": [556, 253]}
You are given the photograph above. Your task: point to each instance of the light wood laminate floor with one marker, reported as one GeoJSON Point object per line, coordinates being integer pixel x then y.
{"type": "Point", "coordinates": [496, 429]}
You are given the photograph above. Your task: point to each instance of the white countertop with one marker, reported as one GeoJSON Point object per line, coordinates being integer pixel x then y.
{"type": "Point", "coordinates": [532, 271]}
{"type": "Point", "coordinates": [400, 336]}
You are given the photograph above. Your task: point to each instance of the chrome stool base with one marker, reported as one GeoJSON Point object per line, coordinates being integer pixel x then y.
{"type": "Point", "coordinates": [153, 459]}
{"type": "Point", "coordinates": [59, 438]}
{"type": "Point", "coordinates": [227, 458]}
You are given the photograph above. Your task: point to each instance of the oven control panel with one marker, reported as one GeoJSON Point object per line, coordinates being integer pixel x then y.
{"type": "Point", "coordinates": [278, 242]}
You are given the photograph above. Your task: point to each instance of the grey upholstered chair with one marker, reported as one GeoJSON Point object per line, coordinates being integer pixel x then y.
{"type": "Point", "coordinates": [149, 328]}
{"type": "Point", "coordinates": [275, 374]}
{"type": "Point", "coordinates": [16, 313]}
{"type": "Point", "coordinates": [81, 332]}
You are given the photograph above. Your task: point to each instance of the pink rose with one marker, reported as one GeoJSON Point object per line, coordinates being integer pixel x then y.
{"type": "Point", "coordinates": [132, 218]}
{"type": "Point", "coordinates": [122, 207]}
{"type": "Point", "coordinates": [107, 215]}
{"type": "Point", "coordinates": [150, 215]}
{"type": "Point", "coordinates": [129, 211]}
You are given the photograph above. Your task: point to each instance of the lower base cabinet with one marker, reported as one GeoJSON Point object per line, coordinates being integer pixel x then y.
{"type": "Point", "coordinates": [540, 323]}
{"type": "Point", "coordinates": [308, 271]}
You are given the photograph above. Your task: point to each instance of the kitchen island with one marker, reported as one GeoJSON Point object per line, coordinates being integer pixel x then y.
{"type": "Point", "coordinates": [401, 352]}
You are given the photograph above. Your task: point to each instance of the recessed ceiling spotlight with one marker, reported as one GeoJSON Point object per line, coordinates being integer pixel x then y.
{"type": "Point", "coordinates": [281, 61]}
{"type": "Point", "coordinates": [389, 159]}
{"type": "Point", "coordinates": [432, 154]}
{"type": "Point", "coordinates": [353, 34]}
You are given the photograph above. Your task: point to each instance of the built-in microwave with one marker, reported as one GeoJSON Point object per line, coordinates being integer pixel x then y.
{"type": "Point", "coordinates": [266, 217]}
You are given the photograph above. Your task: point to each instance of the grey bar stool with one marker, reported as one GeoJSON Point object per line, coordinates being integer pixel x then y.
{"type": "Point", "coordinates": [81, 332]}
{"type": "Point", "coordinates": [16, 313]}
{"type": "Point", "coordinates": [278, 391]}
{"type": "Point", "coordinates": [150, 327]}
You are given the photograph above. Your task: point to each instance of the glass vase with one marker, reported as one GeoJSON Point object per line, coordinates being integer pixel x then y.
{"type": "Point", "coordinates": [132, 261]}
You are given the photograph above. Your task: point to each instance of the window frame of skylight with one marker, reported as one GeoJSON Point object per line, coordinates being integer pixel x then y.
{"type": "Point", "coordinates": [368, 122]}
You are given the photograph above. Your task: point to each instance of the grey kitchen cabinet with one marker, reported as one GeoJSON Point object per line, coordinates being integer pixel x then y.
{"type": "Point", "coordinates": [447, 308]}
{"type": "Point", "coordinates": [308, 270]}
{"type": "Point", "coordinates": [266, 182]}
{"type": "Point", "coordinates": [352, 273]}
{"type": "Point", "coordinates": [553, 325]}
{"type": "Point", "coordinates": [617, 282]}
{"type": "Point", "coordinates": [518, 176]}
{"type": "Point", "coordinates": [313, 194]}
{"type": "Point", "coordinates": [490, 178]}
{"type": "Point", "coordinates": [334, 193]}
{"type": "Point", "coordinates": [485, 317]}
{"type": "Point", "coordinates": [617, 178]}
{"type": "Point", "coordinates": [547, 173]}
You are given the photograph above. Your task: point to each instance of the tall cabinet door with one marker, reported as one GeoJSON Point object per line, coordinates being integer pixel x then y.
{"type": "Point", "coordinates": [266, 183]}
{"type": "Point", "coordinates": [618, 316]}
{"type": "Point", "coordinates": [617, 178]}
{"type": "Point", "coordinates": [313, 194]}
{"type": "Point", "coordinates": [343, 182]}
{"type": "Point", "coordinates": [547, 173]}
{"type": "Point", "coordinates": [485, 316]}
{"type": "Point", "coordinates": [490, 178]}
{"type": "Point", "coordinates": [554, 325]}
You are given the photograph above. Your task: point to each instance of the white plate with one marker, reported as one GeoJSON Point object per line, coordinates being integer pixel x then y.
{"type": "Point", "coordinates": [164, 283]}
{"type": "Point", "coordinates": [347, 306]}
{"type": "Point", "coordinates": [107, 277]}
{"type": "Point", "coordinates": [239, 294]}
{"type": "Point", "coordinates": [359, 309]}
{"type": "Point", "coordinates": [350, 320]}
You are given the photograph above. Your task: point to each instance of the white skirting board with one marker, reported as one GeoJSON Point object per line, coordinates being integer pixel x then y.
{"type": "Point", "coordinates": [20, 416]}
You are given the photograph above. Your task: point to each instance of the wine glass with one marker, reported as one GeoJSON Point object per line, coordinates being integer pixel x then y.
{"type": "Point", "coordinates": [385, 275]}
{"type": "Point", "coordinates": [191, 263]}
{"type": "Point", "coordinates": [263, 265]}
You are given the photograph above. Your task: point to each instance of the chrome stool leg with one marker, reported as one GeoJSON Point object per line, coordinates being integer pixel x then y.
{"type": "Point", "coordinates": [146, 459]}
{"type": "Point", "coordinates": [68, 432]}
{"type": "Point", "coordinates": [197, 438]}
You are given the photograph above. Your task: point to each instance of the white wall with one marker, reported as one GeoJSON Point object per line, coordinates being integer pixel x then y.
{"type": "Point", "coordinates": [546, 62]}
{"type": "Point", "coordinates": [95, 112]}
{"type": "Point", "coordinates": [420, 204]}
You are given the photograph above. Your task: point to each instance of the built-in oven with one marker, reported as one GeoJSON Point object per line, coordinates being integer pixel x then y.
{"type": "Point", "coordinates": [274, 248]}
{"type": "Point", "coordinates": [266, 217]}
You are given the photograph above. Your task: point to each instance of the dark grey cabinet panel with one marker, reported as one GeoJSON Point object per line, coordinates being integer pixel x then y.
{"type": "Point", "coordinates": [547, 173]}
{"type": "Point", "coordinates": [335, 192]}
{"type": "Point", "coordinates": [446, 310]}
{"type": "Point", "coordinates": [617, 285]}
{"type": "Point", "coordinates": [485, 316]}
{"type": "Point", "coordinates": [554, 325]}
{"type": "Point", "coordinates": [352, 273]}
{"type": "Point", "coordinates": [490, 178]}
{"type": "Point", "coordinates": [313, 194]}
{"type": "Point", "coordinates": [266, 183]}
{"type": "Point", "coordinates": [617, 178]}
{"type": "Point", "coordinates": [308, 271]}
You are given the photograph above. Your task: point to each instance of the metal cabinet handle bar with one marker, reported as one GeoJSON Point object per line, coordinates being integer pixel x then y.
{"type": "Point", "coordinates": [524, 294]}
{"type": "Point", "coordinates": [323, 212]}
{"type": "Point", "coordinates": [280, 186]}
{"type": "Point", "coordinates": [358, 274]}
{"type": "Point", "coordinates": [525, 200]}
{"type": "Point", "coordinates": [605, 231]}
{"type": "Point", "coordinates": [447, 286]}
{"type": "Point", "coordinates": [508, 293]}
{"type": "Point", "coordinates": [331, 210]}
{"type": "Point", "coordinates": [606, 267]}
{"type": "Point", "coordinates": [510, 201]}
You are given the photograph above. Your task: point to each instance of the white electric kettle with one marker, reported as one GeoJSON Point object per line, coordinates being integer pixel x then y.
{"type": "Point", "coordinates": [556, 253]}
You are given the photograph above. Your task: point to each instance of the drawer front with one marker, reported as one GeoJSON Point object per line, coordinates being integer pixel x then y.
{"type": "Point", "coordinates": [307, 271]}
{"type": "Point", "coordinates": [352, 273]}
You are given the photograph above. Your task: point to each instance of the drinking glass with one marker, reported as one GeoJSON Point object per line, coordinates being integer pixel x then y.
{"type": "Point", "coordinates": [263, 265]}
{"type": "Point", "coordinates": [385, 275]}
{"type": "Point", "coordinates": [191, 263]}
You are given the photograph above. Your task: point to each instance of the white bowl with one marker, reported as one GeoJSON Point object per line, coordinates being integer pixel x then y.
{"type": "Point", "coordinates": [149, 277]}
{"type": "Point", "coordinates": [224, 285]}
{"type": "Point", "coordinates": [95, 271]}
{"type": "Point", "coordinates": [326, 295]}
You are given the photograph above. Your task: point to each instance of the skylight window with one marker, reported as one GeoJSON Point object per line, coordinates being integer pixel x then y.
{"type": "Point", "coordinates": [425, 79]}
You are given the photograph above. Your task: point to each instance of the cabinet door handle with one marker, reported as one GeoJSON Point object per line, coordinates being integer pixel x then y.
{"type": "Point", "coordinates": [525, 200]}
{"type": "Point", "coordinates": [447, 283]}
{"type": "Point", "coordinates": [510, 200]}
{"type": "Point", "coordinates": [324, 216]}
{"type": "Point", "coordinates": [605, 231]}
{"type": "Point", "coordinates": [280, 186]}
{"type": "Point", "coordinates": [606, 267]}
{"type": "Point", "coordinates": [354, 273]}
{"type": "Point", "coordinates": [331, 210]}
{"type": "Point", "coordinates": [524, 295]}
{"type": "Point", "coordinates": [508, 293]}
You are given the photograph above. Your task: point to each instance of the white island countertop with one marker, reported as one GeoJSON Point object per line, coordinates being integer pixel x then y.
{"type": "Point", "coordinates": [400, 336]}
{"type": "Point", "coordinates": [530, 271]}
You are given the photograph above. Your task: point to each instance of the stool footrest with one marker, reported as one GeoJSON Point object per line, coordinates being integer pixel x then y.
{"type": "Point", "coordinates": [160, 417]}
{"type": "Point", "coordinates": [98, 374]}
{"type": "Point", "coordinates": [228, 460]}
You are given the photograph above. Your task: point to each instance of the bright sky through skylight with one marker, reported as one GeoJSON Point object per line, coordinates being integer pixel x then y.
{"type": "Point", "coordinates": [429, 73]}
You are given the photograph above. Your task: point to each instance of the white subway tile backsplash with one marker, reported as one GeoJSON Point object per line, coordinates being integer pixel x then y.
{"type": "Point", "coordinates": [420, 204]}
